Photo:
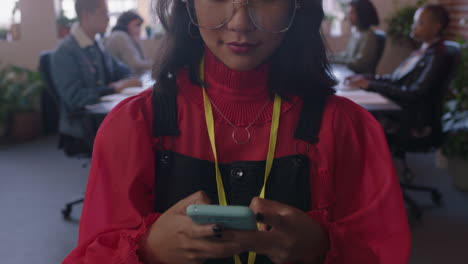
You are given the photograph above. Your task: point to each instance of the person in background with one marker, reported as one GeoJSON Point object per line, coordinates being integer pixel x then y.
{"type": "Point", "coordinates": [83, 70]}
{"type": "Point", "coordinates": [124, 42]}
{"type": "Point", "coordinates": [415, 84]}
{"type": "Point", "coordinates": [244, 87]}
{"type": "Point", "coordinates": [361, 51]}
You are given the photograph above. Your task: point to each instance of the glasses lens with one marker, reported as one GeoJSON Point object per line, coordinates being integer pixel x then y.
{"type": "Point", "coordinates": [210, 13]}
{"type": "Point", "coordinates": [267, 15]}
{"type": "Point", "coordinates": [272, 15]}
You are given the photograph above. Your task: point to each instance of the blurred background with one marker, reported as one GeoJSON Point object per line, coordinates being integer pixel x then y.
{"type": "Point", "coordinates": [37, 179]}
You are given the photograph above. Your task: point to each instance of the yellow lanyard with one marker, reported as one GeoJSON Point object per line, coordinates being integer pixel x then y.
{"type": "Point", "coordinates": [271, 150]}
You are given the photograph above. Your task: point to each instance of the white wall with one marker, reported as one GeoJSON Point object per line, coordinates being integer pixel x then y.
{"type": "Point", "coordinates": [38, 32]}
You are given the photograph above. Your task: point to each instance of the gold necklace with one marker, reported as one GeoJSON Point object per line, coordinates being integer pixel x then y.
{"type": "Point", "coordinates": [236, 129]}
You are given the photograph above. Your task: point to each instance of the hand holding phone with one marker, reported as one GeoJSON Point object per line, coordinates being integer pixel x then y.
{"type": "Point", "coordinates": [162, 243]}
{"type": "Point", "coordinates": [230, 217]}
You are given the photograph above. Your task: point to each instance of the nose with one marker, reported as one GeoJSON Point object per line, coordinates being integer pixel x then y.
{"type": "Point", "coordinates": [240, 21]}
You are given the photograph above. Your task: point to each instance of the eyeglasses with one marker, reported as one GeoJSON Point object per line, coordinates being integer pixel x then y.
{"type": "Point", "coordinates": [274, 16]}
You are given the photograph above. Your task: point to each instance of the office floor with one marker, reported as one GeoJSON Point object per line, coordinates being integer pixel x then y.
{"type": "Point", "coordinates": [36, 179]}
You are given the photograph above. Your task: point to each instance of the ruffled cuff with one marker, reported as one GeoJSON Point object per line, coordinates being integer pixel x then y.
{"type": "Point", "coordinates": [321, 217]}
{"type": "Point", "coordinates": [131, 256]}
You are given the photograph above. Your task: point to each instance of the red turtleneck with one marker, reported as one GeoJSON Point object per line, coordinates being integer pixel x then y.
{"type": "Point", "coordinates": [239, 95]}
{"type": "Point", "coordinates": [355, 194]}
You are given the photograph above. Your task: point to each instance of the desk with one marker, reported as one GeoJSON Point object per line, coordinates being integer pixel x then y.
{"type": "Point", "coordinates": [108, 102]}
{"type": "Point", "coordinates": [371, 101]}
{"type": "Point", "coordinates": [94, 114]}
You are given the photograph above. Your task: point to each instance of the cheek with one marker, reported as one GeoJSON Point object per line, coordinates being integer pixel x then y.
{"type": "Point", "coordinates": [272, 42]}
{"type": "Point", "coordinates": [210, 37]}
{"type": "Point", "coordinates": [103, 21]}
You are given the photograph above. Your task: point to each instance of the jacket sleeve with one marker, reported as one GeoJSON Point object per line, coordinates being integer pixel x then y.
{"type": "Point", "coordinates": [365, 55]}
{"type": "Point", "coordinates": [121, 70]}
{"type": "Point", "coordinates": [68, 78]}
{"type": "Point", "coordinates": [118, 206]}
{"type": "Point", "coordinates": [368, 222]}
{"type": "Point", "coordinates": [433, 72]}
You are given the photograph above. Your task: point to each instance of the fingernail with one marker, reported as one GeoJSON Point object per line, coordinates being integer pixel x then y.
{"type": "Point", "coordinates": [217, 229]}
{"type": "Point", "coordinates": [259, 217]}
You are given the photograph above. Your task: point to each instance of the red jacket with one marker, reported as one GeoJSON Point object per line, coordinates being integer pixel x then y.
{"type": "Point", "coordinates": [355, 192]}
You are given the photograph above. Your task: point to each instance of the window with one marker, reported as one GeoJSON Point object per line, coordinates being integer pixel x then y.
{"type": "Point", "coordinates": [335, 13]}
{"type": "Point", "coordinates": [10, 20]}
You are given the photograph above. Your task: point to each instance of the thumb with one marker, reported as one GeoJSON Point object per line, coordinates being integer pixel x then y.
{"type": "Point", "coordinates": [199, 197]}
{"type": "Point", "coordinates": [270, 212]}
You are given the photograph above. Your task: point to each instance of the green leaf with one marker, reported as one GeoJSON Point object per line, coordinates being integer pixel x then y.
{"type": "Point", "coordinates": [20, 89]}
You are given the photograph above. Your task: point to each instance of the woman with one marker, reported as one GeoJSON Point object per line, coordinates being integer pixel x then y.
{"type": "Point", "coordinates": [124, 42]}
{"type": "Point", "coordinates": [241, 83]}
{"type": "Point", "coordinates": [361, 53]}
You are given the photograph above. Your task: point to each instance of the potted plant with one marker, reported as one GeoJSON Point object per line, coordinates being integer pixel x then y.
{"type": "Point", "coordinates": [21, 89]}
{"type": "Point", "coordinates": [400, 22]}
{"type": "Point", "coordinates": [3, 33]}
{"type": "Point", "coordinates": [455, 147]}
{"type": "Point", "coordinates": [149, 31]}
{"type": "Point", "coordinates": [63, 24]}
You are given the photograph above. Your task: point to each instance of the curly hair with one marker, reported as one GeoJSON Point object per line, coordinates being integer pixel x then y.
{"type": "Point", "coordinates": [440, 14]}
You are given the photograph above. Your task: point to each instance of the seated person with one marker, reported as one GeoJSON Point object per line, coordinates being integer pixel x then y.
{"type": "Point", "coordinates": [416, 84]}
{"type": "Point", "coordinates": [124, 42]}
{"type": "Point", "coordinates": [360, 54]}
{"type": "Point", "coordinates": [83, 71]}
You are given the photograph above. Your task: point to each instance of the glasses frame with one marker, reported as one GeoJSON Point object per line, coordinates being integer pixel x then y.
{"type": "Point", "coordinates": [242, 3]}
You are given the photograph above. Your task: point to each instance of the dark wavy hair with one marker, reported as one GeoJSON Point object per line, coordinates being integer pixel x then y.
{"type": "Point", "coordinates": [124, 19]}
{"type": "Point", "coordinates": [299, 66]}
{"type": "Point", "coordinates": [367, 14]}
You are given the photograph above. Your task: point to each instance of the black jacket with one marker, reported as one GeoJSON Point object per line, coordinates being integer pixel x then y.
{"type": "Point", "coordinates": [420, 89]}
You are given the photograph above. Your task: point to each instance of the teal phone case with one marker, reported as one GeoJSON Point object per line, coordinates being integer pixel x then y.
{"type": "Point", "coordinates": [230, 217]}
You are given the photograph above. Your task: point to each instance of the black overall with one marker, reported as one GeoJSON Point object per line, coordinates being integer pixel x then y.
{"type": "Point", "coordinates": [178, 176]}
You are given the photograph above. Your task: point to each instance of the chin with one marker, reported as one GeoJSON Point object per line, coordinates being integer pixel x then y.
{"type": "Point", "coordinates": [242, 65]}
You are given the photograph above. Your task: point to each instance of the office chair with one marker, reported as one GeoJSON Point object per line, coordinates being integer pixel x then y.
{"type": "Point", "coordinates": [381, 40]}
{"type": "Point", "coordinates": [427, 143]}
{"type": "Point", "coordinates": [49, 98]}
{"type": "Point", "coordinates": [44, 69]}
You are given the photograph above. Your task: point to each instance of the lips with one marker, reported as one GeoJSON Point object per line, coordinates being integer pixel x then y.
{"type": "Point", "coordinates": [242, 47]}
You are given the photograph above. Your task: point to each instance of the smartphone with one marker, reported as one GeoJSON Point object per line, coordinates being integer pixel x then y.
{"type": "Point", "coordinates": [230, 217]}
